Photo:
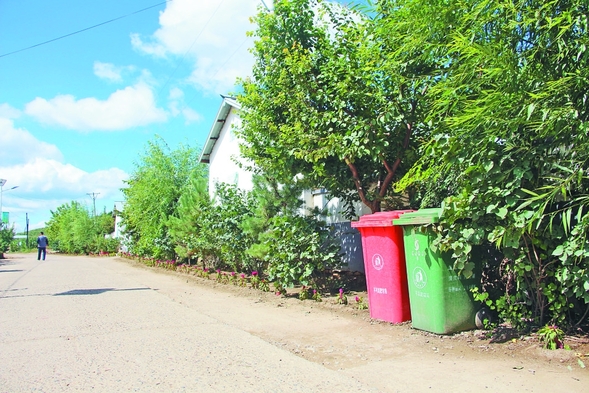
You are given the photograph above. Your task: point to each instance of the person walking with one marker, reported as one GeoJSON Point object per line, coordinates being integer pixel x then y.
{"type": "Point", "coordinates": [42, 243]}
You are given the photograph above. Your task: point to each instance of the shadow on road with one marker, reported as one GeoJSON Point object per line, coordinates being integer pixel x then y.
{"type": "Point", "coordinates": [73, 292]}
{"type": "Point", "coordinates": [97, 291]}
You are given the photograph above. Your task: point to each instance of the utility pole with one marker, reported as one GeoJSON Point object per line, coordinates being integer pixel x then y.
{"type": "Point", "coordinates": [93, 195]}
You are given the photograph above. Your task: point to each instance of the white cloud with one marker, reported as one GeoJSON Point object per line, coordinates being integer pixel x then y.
{"type": "Point", "coordinates": [108, 71]}
{"type": "Point", "coordinates": [19, 146]}
{"type": "Point", "coordinates": [177, 106]}
{"type": "Point", "coordinates": [132, 106]}
{"type": "Point", "coordinates": [57, 179]}
{"type": "Point", "coordinates": [191, 115]}
{"type": "Point", "coordinates": [176, 94]}
{"type": "Point", "coordinates": [112, 72]}
{"type": "Point", "coordinates": [8, 112]}
{"type": "Point", "coordinates": [209, 34]}
{"type": "Point", "coordinates": [45, 184]}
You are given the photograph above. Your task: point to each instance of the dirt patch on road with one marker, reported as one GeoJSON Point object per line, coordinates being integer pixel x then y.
{"type": "Point", "coordinates": [341, 336]}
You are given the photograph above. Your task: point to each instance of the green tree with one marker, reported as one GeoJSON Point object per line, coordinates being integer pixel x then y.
{"type": "Point", "coordinates": [297, 249]}
{"type": "Point", "coordinates": [510, 109]}
{"type": "Point", "coordinates": [6, 236]}
{"type": "Point", "coordinates": [152, 194]}
{"type": "Point", "coordinates": [187, 226]}
{"type": "Point", "coordinates": [324, 102]}
{"type": "Point", "coordinates": [222, 228]}
{"type": "Point", "coordinates": [73, 230]}
{"type": "Point", "coordinates": [269, 200]}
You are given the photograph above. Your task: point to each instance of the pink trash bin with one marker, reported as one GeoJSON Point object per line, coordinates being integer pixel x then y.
{"type": "Point", "coordinates": [384, 265]}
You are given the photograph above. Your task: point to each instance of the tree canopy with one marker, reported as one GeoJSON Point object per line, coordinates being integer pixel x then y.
{"type": "Point", "coordinates": [151, 197]}
{"type": "Point", "coordinates": [324, 101]}
{"type": "Point", "coordinates": [73, 230]}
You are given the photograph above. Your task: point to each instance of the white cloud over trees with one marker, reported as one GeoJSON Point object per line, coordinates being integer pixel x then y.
{"type": "Point", "coordinates": [130, 107]}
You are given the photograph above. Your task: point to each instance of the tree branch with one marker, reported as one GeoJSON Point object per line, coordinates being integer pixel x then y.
{"type": "Point", "coordinates": [358, 183]}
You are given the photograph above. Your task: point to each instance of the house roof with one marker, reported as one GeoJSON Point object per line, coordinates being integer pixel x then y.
{"type": "Point", "coordinates": [224, 110]}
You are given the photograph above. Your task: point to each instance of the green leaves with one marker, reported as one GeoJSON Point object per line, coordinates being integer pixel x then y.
{"type": "Point", "coordinates": [350, 113]}
{"type": "Point", "coordinates": [152, 193]}
{"type": "Point", "coordinates": [6, 236]}
{"type": "Point", "coordinates": [299, 248]}
{"type": "Point", "coordinates": [73, 230]}
{"type": "Point", "coordinates": [512, 152]}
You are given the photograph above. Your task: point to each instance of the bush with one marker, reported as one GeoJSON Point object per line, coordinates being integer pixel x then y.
{"type": "Point", "coordinates": [6, 236]}
{"type": "Point", "coordinates": [297, 249]}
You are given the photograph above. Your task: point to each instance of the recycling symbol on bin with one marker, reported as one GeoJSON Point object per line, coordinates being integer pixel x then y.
{"type": "Point", "coordinates": [377, 261]}
{"type": "Point", "coordinates": [419, 278]}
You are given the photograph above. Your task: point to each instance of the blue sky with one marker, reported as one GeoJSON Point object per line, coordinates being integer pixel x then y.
{"type": "Point", "coordinates": [76, 113]}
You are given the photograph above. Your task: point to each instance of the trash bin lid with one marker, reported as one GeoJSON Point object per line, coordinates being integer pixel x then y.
{"type": "Point", "coordinates": [419, 217]}
{"type": "Point", "coordinates": [379, 219]}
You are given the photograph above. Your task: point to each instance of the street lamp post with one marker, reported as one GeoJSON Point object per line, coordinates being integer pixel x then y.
{"type": "Point", "coordinates": [2, 183]}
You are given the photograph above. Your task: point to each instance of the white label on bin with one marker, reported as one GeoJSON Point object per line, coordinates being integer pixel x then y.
{"type": "Point", "coordinates": [382, 291]}
{"type": "Point", "coordinates": [419, 278]}
{"type": "Point", "coordinates": [377, 261]}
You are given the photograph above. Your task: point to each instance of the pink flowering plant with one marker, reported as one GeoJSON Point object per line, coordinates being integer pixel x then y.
{"type": "Point", "coordinates": [361, 303]}
{"type": "Point", "coordinates": [264, 285]}
{"type": "Point", "coordinates": [342, 298]}
{"type": "Point", "coordinates": [255, 280]}
{"type": "Point", "coordinates": [224, 278]}
{"type": "Point", "coordinates": [552, 337]}
{"type": "Point", "coordinates": [198, 271]}
{"type": "Point", "coordinates": [304, 294]}
{"type": "Point", "coordinates": [279, 289]}
{"type": "Point", "coordinates": [316, 296]}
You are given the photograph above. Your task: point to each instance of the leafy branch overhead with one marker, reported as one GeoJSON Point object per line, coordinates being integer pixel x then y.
{"type": "Point", "coordinates": [328, 100]}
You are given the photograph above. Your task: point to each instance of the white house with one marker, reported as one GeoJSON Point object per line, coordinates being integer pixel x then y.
{"type": "Point", "coordinates": [221, 151]}
{"type": "Point", "coordinates": [222, 148]}
{"type": "Point", "coordinates": [119, 227]}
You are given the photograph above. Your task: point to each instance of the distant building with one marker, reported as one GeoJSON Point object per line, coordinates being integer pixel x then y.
{"type": "Point", "coordinates": [119, 227]}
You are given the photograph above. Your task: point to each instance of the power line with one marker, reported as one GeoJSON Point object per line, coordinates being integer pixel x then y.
{"type": "Point", "coordinates": [80, 31]}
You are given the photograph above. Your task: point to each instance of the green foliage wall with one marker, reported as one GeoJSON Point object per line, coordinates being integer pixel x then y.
{"type": "Point", "coordinates": [152, 195]}
{"type": "Point", "coordinates": [260, 231]}
{"type": "Point", "coordinates": [510, 156]}
{"type": "Point", "coordinates": [6, 236]}
{"type": "Point", "coordinates": [480, 106]}
{"type": "Point", "coordinates": [73, 230]}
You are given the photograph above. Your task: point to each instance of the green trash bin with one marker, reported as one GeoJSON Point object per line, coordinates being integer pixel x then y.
{"type": "Point", "coordinates": [440, 300]}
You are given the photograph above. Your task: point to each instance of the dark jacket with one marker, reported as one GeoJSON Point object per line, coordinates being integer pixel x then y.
{"type": "Point", "coordinates": [42, 241]}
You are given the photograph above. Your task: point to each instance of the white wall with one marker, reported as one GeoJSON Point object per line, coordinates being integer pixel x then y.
{"type": "Point", "coordinates": [222, 166]}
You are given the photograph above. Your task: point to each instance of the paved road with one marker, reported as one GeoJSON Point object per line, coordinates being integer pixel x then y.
{"type": "Point", "coordinates": [76, 324]}
{"type": "Point", "coordinates": [79, 324]}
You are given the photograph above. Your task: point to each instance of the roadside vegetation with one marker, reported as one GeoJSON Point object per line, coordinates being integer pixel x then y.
{"type": "Point", "coordinates": [6, 237]}
{"type": "Point", "coordinates": [19, 242]}
{"type": "Point", "coordinates": [73, 230]}
{"type": "Point", "coordinates": [480, 107]}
